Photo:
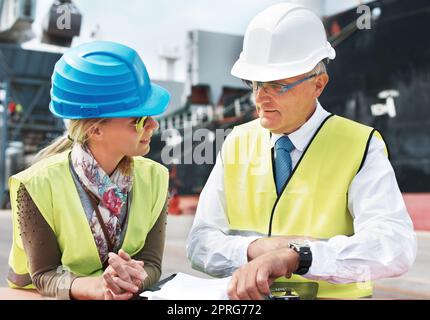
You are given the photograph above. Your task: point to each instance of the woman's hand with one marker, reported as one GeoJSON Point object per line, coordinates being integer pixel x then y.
{"type": "Point", "coordinates": [124, 277]}
{"type": "Point", "coordinates": [120, 281]}
{"type": "Point", "coordinates": [88, 288]}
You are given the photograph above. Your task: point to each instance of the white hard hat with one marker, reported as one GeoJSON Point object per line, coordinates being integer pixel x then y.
{"type": "Point", "coordinates": [283, 41]}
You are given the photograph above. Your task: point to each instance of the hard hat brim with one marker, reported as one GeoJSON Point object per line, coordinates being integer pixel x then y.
{"type": "Point", "coordinates": [272, 72]}
{"type": "Point", "coordinates": [155, 104]}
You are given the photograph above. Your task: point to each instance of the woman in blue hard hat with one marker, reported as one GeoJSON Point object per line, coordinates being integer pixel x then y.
{"type": "Point", "coordinates": [89, 214]}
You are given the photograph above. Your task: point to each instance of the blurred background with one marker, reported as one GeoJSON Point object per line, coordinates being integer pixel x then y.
{"type": "Point", "coordinates": [380, 77]}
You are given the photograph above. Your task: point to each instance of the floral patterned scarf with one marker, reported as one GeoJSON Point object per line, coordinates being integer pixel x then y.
{"type": "Point", "coordinates": [111, 191]}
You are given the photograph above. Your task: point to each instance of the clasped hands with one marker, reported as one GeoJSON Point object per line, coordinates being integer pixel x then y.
{"type": "Point", "coordinates": [123, 278]}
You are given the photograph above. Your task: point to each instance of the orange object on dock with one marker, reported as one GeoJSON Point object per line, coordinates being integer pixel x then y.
{"type": "Point", "coordinates": [418, 205]}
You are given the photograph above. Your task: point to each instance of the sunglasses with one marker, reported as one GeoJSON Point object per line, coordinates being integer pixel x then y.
{"type": "Point", "coordinates": [140, 123]}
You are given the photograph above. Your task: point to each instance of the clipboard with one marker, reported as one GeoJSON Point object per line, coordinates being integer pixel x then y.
{"type": "Point", "coordinates": [157, 286]}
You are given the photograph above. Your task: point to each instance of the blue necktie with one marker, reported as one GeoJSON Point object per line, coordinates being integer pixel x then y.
{"type": "Point", "coordinates": [283, 163]}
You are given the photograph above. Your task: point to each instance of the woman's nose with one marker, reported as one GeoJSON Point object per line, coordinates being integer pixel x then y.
{"type": "Point", "coordinates": [152, 124]}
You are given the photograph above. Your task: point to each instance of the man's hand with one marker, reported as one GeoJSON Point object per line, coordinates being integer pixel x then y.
{"type": "Point", "coordinates": [265, 245]}
{"type": "Point", "coordinates": [124, 276]}
{"type": "Point", "coordinates": [253, 280]}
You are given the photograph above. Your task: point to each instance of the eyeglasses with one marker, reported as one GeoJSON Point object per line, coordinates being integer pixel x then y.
{"type": "Point", "coordinates": [275, 88]}
{"type": "Point", "coordinates": [140, 123]}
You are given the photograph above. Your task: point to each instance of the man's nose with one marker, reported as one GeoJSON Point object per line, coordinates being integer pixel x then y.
{"type": "Point", "coordinates": [261, 95]}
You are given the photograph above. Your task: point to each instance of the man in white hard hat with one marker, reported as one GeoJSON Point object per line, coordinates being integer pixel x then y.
{"type": "Point", "coordinates": [299, 196]}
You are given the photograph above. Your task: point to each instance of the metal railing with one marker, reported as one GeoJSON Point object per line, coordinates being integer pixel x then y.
{"type": "Point", "coordinates": [199, 116]}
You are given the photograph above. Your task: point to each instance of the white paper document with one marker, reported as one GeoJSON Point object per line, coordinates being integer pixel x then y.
{"type": "Point", "coordinates": [186, 287]}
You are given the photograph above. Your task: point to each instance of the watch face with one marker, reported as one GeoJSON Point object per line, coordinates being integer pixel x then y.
{"type": "Point", "coordinates": [305, 257]}
{"type": "Point", "coordinates": [294, 246]}
{"type": "Point", "coordinates": [298, 245]}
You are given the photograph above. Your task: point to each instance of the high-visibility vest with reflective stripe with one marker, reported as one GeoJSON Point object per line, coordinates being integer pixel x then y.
{"type": "Point", "coordinates": [313, 203]}
{"type": "Point", "coordinates": [52, 188]}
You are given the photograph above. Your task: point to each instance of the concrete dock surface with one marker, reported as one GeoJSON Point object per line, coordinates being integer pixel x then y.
{"type": "Point", "coordinates": [413, 285]}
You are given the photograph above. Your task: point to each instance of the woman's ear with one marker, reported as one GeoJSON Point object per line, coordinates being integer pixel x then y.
{"type": "Point", "coordinates": [95, 132]}
{"type": "Point", "coordinates": [320, 83]}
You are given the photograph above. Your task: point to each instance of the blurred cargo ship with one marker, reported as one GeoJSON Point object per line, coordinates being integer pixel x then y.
{"type": "Point", "coordinates": [380, 77]}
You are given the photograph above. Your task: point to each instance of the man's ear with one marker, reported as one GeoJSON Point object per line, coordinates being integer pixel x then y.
{"type": "Point", "coordinates": [320, 83]}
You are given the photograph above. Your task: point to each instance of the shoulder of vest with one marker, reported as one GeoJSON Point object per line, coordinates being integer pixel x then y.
{"type": "Point", "coordinates": [350, 124]}
{"type": "Point", "coordinates": [336, 120]}
{"type": "Point", "coordinates": [350, 129]}
{"type": "Point", "coordinates": [247, 126]}
{"type": "Point", "coordinates": [145, 162]}
{"type": "Point", "coordinates": [244, 129]}
{"type": "Point", "coordinates": [357, 133]}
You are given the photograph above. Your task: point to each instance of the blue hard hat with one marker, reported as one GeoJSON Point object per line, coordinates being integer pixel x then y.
{"type": "Point", "coordinates": [104, 79]}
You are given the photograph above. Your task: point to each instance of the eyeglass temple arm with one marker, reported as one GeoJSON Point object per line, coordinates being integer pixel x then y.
{"type": "Point", "coordinates": [292, 85]}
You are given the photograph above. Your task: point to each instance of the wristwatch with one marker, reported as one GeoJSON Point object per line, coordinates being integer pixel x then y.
{"type": "Point", "coordinates": [305, 257]}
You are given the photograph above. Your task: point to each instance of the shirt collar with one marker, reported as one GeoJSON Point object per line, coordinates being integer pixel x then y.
{"type": "Point", "coordinates": [302, 136]}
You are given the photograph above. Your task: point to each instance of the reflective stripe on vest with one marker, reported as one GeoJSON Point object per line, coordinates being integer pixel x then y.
{"type": "Point", "coordinates": [50, 185]}
{"type": "Point", "coordinates": [314, 201]}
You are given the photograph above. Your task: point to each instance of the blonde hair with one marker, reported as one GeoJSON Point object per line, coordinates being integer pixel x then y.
{"type": "Point", "coordinates": [77, 132]}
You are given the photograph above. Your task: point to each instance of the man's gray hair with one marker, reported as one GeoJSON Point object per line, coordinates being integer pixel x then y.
{"type": "Point", "coordinates": [319, 68]}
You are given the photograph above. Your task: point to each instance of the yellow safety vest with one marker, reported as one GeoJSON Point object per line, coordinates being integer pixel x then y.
{"type": "Point", "coordinates": [314, 202]}
{"type": "Point", "coordinates": [52, 188]}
